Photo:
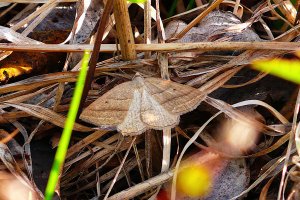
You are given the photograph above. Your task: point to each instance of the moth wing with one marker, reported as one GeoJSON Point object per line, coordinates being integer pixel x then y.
{"type": "Point", "coordinates": [132, 124]}
{"type": "Point", "coordinates": [154, 115]}
{"type": "Point", "coordinates": [174, 97]}
{"type": "Point", "coordinates": [111, 108]}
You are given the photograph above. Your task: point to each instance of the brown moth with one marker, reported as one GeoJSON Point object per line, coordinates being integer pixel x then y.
{"type": "Point", "coordinates": [143, 103]}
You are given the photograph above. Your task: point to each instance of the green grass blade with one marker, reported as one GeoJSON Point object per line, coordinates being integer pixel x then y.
{"type": "Point", "coordinates": [191, 5]}
{"type": "Point", "coordinates": [66, 135]}
{"type": "Point", "coordinates": [173, 8]}
{"type": "Point", "coordinates": [286, 69]}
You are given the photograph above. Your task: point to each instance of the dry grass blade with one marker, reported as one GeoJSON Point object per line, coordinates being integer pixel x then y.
{"type": "Point", "coordinates": [47, 115]}
{"type": "Point", "coordinates": [100, 155]}
{"type": "Point", "coordinates": [15, 37]}
{"type": "Point", "coordinates": [129, 165]}
{"type": "Point", "coordinates": [119, 169]}
{"type": "Point", "coordinates": [264, 191]}
{"type": "Point", "coordinates": [257, 78]}
{"type": "Point", "coordinates": [39, 81]}
{"type": "Point", "coordinates": [21, 97]}
{"type": "Point", "coordinates": [35, 82]}
{"type": "Point", "coordinates": [288, 10]}
{"type": "Point", "coordinates": [214, 54]}
{"type": "Point", "coordinates": [108, 144]}
{"type": "Point", "coordinates": [289, 148]}
{"type": "Point", "coordinates": [84, 142]}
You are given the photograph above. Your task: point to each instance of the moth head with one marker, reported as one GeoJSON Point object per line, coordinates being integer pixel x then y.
{"type": "Point", "coordinates": [138, 78]}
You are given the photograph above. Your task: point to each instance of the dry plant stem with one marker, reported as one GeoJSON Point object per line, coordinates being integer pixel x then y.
{"type": "Point", "coordinates": [119, 170]}
{"type": "Point", "coordinates": [196, 20]}
{"type": "Point", "coordinates": [95, 54]}
{"type": "Point", "coordinates": [161, 57]}
{"type": "Point", "coordinates": [297, 132]}
{"type": "Point", "coordinates": [267, 29]}
{"type": "Point", "coordinates": [129, 165]}
{"type": "Point", "coordinates": [164, 68]}
{"type": "Point", "coordinates": [98, 188]}
{"type": "Point", "coordinates": [47, 115]}
{"type": "Point", "coordinates": [288, 109]}
{"type": "Point", "coordinates": [257, 78]}
{"type": "Point", "coordinates": [84, 142]}
{"type": "Point", "coordinates": [139, 162]}
{"type": "Point", "coordinates": [166, 149]}
{"type": "Point", "coordinates": [99, 155]}
{"type": "Point", "coordinates": [236, 7]}
{"type": "Point", "coordinates": [147, 25]}
{"type": "Point", "coordinates": [109, 149]}
{"type": "Point", "coordinates": [125, 172]}
{"type": "Point", "coordinates": [45, 8]}
{"type": "Point", "coordinates": [175, 47]}
{"type": "Point", "coordinates": [288, 35]}
{"type": "Point", "coordinates": [289, 149]}
{"type": "Point", "coordinates": [10, 136]}
{"type": "Point", "coordinates": [148, 152]}
{"type": "Point", "coordinates": [34, 14]}
{"type": "Point", "coordinates": [36, 82]}
{"type": "Point", "coordinates": [7, 10]}
{"type": "Point", "coordinates": [38, 19]}
{"type": "Point", "coordinates": [160, 30]}
{"type": "Point", "coordinates": [143, 187]}
{"type": "Point", "coordinates": [264, 191]}
{"type": "Point", "coordinates": [285, 26]}
{"type": "Point", "coordinates": [163, 64]}
{"type": "Point", "coordinates": [287, 8]}
{"type": "Point", "coordinates": [124, 31]}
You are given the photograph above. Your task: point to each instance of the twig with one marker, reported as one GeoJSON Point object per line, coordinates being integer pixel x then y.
{"type": "Point", "coordinates": [143, 187]}
{"type": "Point", "coordinates": [147, 25]}
{"type": "Point", "coordinates": [95, 55]}
{"type": "Point", "coordinates": [124, 31]}
{"type": "Point", "coordinates": [170, 47]}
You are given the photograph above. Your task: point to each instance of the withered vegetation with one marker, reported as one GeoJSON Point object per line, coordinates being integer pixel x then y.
{"type": "Point", "coordinates": [242, 130]}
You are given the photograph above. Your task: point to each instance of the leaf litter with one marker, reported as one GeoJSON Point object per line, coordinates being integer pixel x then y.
{"type": "Point", "coordinates": [35, 103]}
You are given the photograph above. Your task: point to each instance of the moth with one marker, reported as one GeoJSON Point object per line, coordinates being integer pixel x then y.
{"type": "Point", "coordinates": [141, 104]}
